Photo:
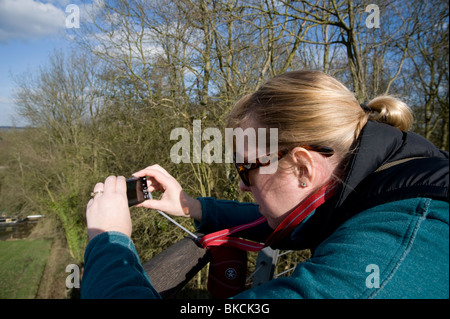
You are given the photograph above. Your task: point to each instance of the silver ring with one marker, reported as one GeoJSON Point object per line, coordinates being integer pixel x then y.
{"type": "Point", "coordinates": [96, 193]}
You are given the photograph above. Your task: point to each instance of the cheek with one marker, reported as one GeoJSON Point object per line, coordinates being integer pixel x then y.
{"type": "Point", "coordinates": [275, 193]}
{"type": "Point", "coordinates": [278, 182]}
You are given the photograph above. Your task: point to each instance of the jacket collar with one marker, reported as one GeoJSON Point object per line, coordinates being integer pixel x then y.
{"type": "Point", "coordinates": [377, 145]}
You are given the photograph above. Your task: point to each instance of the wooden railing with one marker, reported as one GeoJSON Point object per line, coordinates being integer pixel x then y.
{"type": "Point", "coordinates": [171, 270]}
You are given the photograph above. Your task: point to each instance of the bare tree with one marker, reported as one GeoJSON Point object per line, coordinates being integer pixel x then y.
{"type": "Point", "coordinates": [429, 69]}
{"type": "Point", "coordinates": [64, 102]}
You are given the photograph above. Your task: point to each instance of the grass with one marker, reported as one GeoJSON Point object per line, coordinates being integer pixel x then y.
{"type": "Point", "coordinates": [22, 263]}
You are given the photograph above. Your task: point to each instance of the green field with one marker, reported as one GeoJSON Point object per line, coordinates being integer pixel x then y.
{"type": "Point", "coordinates": [22, 263]}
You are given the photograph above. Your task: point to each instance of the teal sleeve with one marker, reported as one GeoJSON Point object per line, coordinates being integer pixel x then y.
{"type": "Point", "coordinates": [221, 214]}
{"type": "Point", "coordinates": [112, 270]}
{"type": "Point", "coordinates": [397, 250]}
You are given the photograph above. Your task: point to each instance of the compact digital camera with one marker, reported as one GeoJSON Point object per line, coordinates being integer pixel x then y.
{"type": "Point", "coordinates": [137, 191]}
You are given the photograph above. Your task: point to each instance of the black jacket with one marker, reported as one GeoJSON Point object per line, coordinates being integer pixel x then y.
{"type": "Point", "coordinates": [424, 173]}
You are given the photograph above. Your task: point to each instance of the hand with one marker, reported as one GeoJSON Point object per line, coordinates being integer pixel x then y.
{"type": "Point", "coordinates": [108, 210]}
{"type": "Point", "coordinates": [174, 200]}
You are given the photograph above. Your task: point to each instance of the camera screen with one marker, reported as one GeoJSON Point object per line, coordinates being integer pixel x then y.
{"type": "Point", "coordinates": [135, 190]}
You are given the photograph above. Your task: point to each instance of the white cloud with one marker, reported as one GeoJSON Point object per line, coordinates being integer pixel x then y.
{"type": "Point", "coordinates": [28, 19]}
{"type": "Point", "coordinates": [88, 11]}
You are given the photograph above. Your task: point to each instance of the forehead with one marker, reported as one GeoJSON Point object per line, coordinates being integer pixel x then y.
{"type": "Point", "coordinates": [251, 141]}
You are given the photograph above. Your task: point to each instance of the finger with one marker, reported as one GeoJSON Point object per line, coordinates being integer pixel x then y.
{"type": "Point", "coordinates": [89, 204]}
{"type": "Point", "coordinates": [121, 184]}
{"type": "Point", "coordinates": [151, 181]}
{"type": "Point", "coordinates": [98, 190]}
{"type": "Point", "coordinates": [98, 187]}
{"type": "Point", "coordinates": [156, 167]}
{"type": "Point", "coordinates": [155, 188]}
{"type": "Point", "coordinates": [159, 179]}
{"type": "Point", "coordinates": [153, 185]}
{"type": "Point", "coordinates": [110, 184]}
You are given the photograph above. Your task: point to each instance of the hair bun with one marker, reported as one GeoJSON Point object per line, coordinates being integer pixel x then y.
{"type": "Point", "coordinates": [390, 110]}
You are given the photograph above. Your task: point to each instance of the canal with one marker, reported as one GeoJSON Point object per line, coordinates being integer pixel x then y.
{"type": "Point", "coordinates": [17, 230]}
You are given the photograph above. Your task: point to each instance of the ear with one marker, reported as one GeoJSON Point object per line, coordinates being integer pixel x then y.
{"type": "Point", "coordinates": [303, 166]}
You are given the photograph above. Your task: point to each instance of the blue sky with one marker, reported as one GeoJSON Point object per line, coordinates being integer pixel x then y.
{"type": "Point", "coordinates": [30, 30]}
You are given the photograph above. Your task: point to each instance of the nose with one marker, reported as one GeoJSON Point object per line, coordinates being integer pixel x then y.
{"type": "Point", "coordinates": [244, 187]}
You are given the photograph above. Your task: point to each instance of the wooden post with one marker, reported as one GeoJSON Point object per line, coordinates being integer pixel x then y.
{"type": "Point", "coordinates": [170, 270]}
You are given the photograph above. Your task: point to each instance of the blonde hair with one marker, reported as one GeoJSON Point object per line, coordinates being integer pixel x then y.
{"type": "Point", "coordinates": [392, 111]}
{"type": "Point", "coordinates": [313, 108]}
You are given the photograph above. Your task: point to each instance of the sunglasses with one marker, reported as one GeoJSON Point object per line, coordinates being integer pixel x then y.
{"type": "Point", "coordinates": [244, 168]}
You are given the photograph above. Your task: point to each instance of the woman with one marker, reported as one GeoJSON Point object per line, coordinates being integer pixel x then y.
{"type": "Point", "coordinates": [382, 231]}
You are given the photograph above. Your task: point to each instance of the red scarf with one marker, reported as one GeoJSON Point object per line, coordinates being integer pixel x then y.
{"type": "Point", "coordinates": [224, 238]}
